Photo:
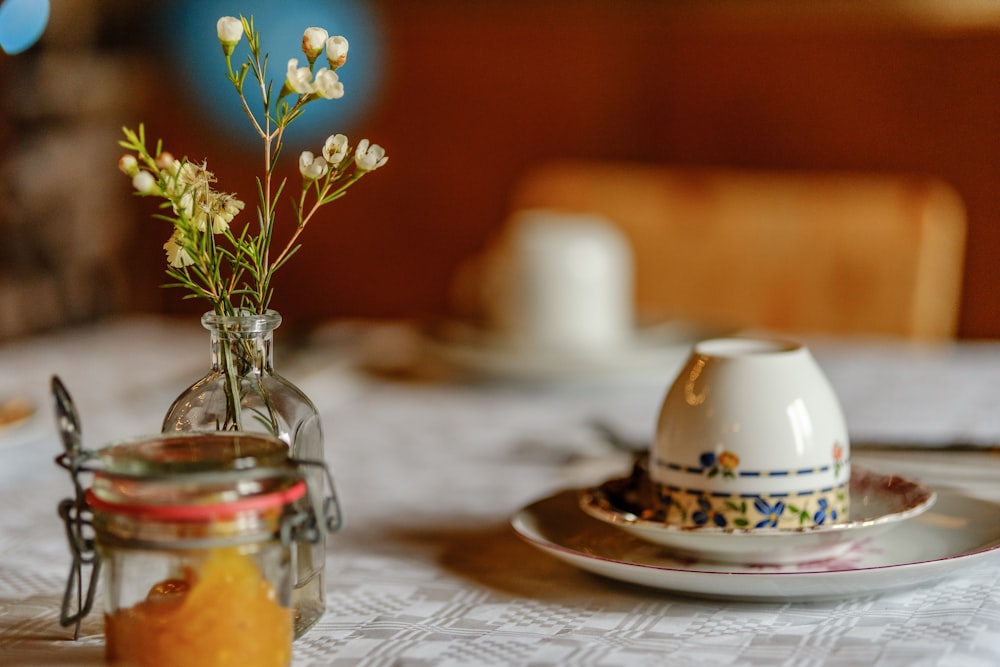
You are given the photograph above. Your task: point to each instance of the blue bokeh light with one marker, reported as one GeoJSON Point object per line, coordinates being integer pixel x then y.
{"type": "Point", "coordinates": [22, 23]}
{"type": "Point", "coordinates": [190, 34]}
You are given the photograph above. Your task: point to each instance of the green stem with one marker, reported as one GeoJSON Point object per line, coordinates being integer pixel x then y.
{"type": "Point", "coordinates": [234, 407]}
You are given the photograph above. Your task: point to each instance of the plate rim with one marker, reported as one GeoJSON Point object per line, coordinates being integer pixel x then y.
{"type": "Point", "coordinates": [927, 569]}
{"type": "Point", "coordinates": [480, 352]}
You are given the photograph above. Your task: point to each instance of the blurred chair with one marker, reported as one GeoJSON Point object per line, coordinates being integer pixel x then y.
{"type": "Point", "coordinates": [803, 252]}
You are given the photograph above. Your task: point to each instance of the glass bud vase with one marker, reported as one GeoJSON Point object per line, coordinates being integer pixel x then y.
{"type": "Point", "coordinates": [242, 392]}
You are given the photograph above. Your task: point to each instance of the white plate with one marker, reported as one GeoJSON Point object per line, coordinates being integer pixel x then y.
{"type": "Point", "coordinates": [957, 534]}
{"type": "Point", "coordinates": [878, 502]}
{"type": "Point", "coordinates": [657, 351]}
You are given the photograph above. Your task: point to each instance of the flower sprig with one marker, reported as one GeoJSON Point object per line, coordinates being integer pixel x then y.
{"type": "Point", "coordinates": [230, 265]}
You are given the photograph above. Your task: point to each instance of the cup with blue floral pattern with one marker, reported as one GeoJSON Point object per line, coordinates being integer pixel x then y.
{"type": "Point", "coordinates": [751, 436]}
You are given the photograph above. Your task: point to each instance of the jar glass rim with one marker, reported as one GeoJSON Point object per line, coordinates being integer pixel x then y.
{"type": "Point", "coordinates": [200, 512]}
{"type": "Point", "coordinates": [195, 452]}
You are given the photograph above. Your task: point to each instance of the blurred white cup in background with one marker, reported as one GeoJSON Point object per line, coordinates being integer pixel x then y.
{"type": "Point", "coordinates": [561, 280]}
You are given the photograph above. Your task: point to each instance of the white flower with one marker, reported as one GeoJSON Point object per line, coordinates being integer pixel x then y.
{"type": "Point", "coordinates": [335, 148]}
{"type": "Point", "coordinates": [336, 51]}
{"type": "Point", "coordinates": [231, 206]}
{"type": "Point", "coordinates": [193, 174]}
{"type": "Point", "coordinates": [224, 208]}
{"type": "Point", "coordinates": [313, 41]}
{"type": "Point", "coordinates": [312, 167]}
{"type": "Point", "coordinates": [219, 223]}
{"type": "Point", "coordinates": [369, 158]}
{"type": "Point", "coordinates": [200, 218]}
{"type": "Point", "coordinates": [185, 205]}
{"type": "Point", "coordinates": [184, 176]}
{"type": "Point", "coordinates": [230, 31]}
{"type": "Point", "coordinates": [177, 256]}
{"type": "Point", "coordinates": [298, 79]}
{"type": "Point", "coordinates": [145, 183]}
{"type": "Point", "coordinates": [328, 84]}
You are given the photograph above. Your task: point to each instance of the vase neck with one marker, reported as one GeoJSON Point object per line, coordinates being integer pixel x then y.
{"type": "Point", "coordinates": [242, 344]}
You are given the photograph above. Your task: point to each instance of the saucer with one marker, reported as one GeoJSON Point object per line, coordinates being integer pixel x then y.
{"type": "Point", "coordinates": [958, 534]}
{"type": "Point", "coordinates": [655, 350]}
{"type": "Point", "coordinates": [878, 502]}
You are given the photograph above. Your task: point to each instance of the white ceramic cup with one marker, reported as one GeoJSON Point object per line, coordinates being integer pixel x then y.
{"type": "Point", "coordinates": [751, 436]}
{"type": "Point", "coordinates": [561, 281]}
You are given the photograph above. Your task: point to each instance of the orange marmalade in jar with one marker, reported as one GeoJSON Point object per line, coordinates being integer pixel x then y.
{"type": "Point", "coordinates": [194, 534]}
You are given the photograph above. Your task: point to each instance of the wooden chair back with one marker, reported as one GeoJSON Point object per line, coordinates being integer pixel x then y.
{"type": "Point", "coordinates": [794, 252]}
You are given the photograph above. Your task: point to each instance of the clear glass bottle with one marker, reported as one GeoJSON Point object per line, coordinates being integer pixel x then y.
{"type": "Point", "coordinates": [194, 537]}
{"type": "Point", "coordinates": [242, 392]}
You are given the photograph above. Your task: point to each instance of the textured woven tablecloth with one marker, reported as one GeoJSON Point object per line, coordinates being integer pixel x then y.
{"type": "Point", "coordinates": [427, 570]}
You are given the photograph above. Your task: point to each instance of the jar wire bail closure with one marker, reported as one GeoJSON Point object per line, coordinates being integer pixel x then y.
{"type": "Point", "coordinates": [75, 513]}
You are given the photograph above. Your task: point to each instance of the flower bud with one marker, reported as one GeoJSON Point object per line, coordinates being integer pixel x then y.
{"type": "Point", "coordinates": [336, 51]}
{"type": "Point", "coordinates": [145, 184]}
{"type": "Point", "coordinates": [312, 167]}
{"type": "Point", "coordinates": [230, 31]}
{"type": "Point", "coordinates": [313, 41]}
{"type": "Point", "coordinates": [165, 160]}
{"type": "Point", "coordinates": [128, 164]}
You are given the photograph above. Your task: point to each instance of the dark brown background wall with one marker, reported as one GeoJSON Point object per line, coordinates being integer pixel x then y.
{"type": "Point", "coordinates": [474, 92]}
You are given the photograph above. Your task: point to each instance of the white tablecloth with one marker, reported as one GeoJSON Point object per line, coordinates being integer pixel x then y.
{"type": "Point", "coordinates": [427, 570]}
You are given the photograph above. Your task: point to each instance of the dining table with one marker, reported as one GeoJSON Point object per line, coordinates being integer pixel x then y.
{"type": "Point", "coordinates": [463, 542]}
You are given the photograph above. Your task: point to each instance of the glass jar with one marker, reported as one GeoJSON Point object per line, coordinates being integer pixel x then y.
{"type": "Point", "coordinates": [242, 392]}
{"type": "Point", "coordinates": [196, 536]}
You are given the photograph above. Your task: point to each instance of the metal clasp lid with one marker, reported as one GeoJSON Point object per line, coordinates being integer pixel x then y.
{"type": "Point", "coordinates": [300, 522]}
